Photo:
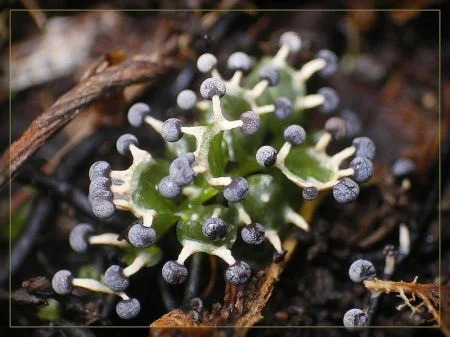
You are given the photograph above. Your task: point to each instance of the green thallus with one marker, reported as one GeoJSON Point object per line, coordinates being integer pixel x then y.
{"type": "Point", "coordinates": [219, 175]}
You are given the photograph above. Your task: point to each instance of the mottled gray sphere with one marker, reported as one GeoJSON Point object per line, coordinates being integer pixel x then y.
{"type": "Point", "coordinates": [345, 191]}
{"type": "Point", "coordinates": [62, 282]}
{"type": "Point", "coordinates": [238, 273]}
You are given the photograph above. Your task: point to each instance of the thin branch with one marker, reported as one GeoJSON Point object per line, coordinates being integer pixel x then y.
{"type": "Point", "coordinates": [136, 70]}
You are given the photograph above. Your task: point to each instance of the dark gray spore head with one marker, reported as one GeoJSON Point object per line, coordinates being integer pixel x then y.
{"type": "Point", "coordinates": [102, 208]}
{"type": "Point", "coordinates": [283, 107]}
{"type": "Point", "coordinates": [365, 147]}
{"type": "Point", "coordinates": [270, 74]}
{"type": "Point", "coordinates": [253, 234]}
{"type": "Point", "coordinates": [169, 188]}
{"type": "Point", "coordinates": [128, 309]}
{"type": "Point", "coordinates": [345, 191]}
{"type": "Point", "coordinates": [137, 113]}
{"type": "Point", "coordinates": [62, 282]}
{"type": "Point", "coordinates": [362, 270]}
{"type": "Point", "coordinates": [266, 156]}
{"type": "Point", "coordinates": [99, 169]}
{"type": "Point", "coordinates": [310, 193]}
{"type": "Point", "coordinates": [331, 62]}
{"type": "Point", "coordinates": [251, 123]}
{"type": "Point", "coordinates": [294, 134]}
{"type": "Point", "coordinates": [362, 169]}
{"type": "Point", "coordinates": [79, 237]}
{"type": "Point", "coordinates": [171, 130]}
{"type": "Point", "coordinates": [237, 190]}
{"type": "Point", "coordinates": [189, 156]}
{"type": "Point", "coordinates": [115, 278]}
{"type": "Point", "coordinates": [292, 40]}
{"type": "Point", "coordinates": [336, 127]}
{"type": "Point", "coordinates": [352, 123]}
{"type": "Point", "coordinates": [124, 142]}
{"type": "Point", "coordinates": [141, 236]}
{"type": "Point", "coordinates": [206, 62]}
{"type": "Point", "coordinates": [174, 272]}
{"type": "Point", "coordinates": [355, 318]}
{"type": "Point", "coordinates": [181, 172]}
{"type": "Point", "coordinates": [331, 100]}
{"type": "Point", "coordinates": [238, 273]}
{"type": "Point", "coordinates": [186, 99]}
{"type": "Point", "coordinates": [403, 167]}
{"type": "Point", "coordinates": [215, 229]}
{"type": "Point", "coordinates": [212, 87]}
{"type": "Point", "coordinates": [239, 61]}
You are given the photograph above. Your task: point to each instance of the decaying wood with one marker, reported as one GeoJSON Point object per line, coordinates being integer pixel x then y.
{"type": "Point", "coordinates": [138, 69]}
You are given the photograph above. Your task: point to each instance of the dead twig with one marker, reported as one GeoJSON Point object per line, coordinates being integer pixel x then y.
{"type": "Point", "coordinates": [136, 70]}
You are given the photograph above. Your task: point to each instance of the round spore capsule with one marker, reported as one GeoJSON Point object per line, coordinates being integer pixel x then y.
{"type": "Point", "coordinates": [331, 62]}
{"type": "Point", "coordinates": [128, 309]}
{"type": "Point", "coordinates": [236, 190]}
{"type": "Point", "coordinates": [99, 183]}
{"type": "Point", "coordinates": [239, 61]}
{"type": "Point", "coordinates": [189, 156]}
{"type": "Point", "coordinates": [253, 234]}
{"type": "Point", "coordinates": [292, 40]}
{"type": "Point", "coordinates": [362, 270]}
{"type": "Point", "coordinates": [206, 62]}
{"type": "Point", "coordinates": [362, 169]}
{"type": "Point", "coordinates": [79, 237]}
{"type": "Point", "coordinates": [251, 123]}
{"type": "Point", "coordinates": [238, 273]}
{"type": "Point", "coordinates": [186, 99]}
{"type": "Point", "coordinates": [174, 272]}
{"type": "Point", "coordinates": [124, 142]}
{"type": "Point", "coordinates": [345, 191]}
{"type": "Point", "coordinates": [270, 74]}
{"type": "Point", "coordinates": [364, 147]}
{"type": "Point", "coordinates": [352, 123]}
{"type": "Point", "coordinates": [137, 113]}
{"type": "Point", "coordinates": [266, 156]}
{"type": "Point", "coordinates": [115, 279]}
{"type": "Point", "coordinates": [99, 188]}
{"type": "Point", "coordinates": [212, 87]}
{"type": "Point", "coordinates": [214, 229]}
{"type": "Point", "coordinates": [331, 100]}
{"type": "Point", "coordinates": [355, 318]}
{"type": "Point", "coordinates": [169, 188]}
{"type": "Point", "coordinates": [141, 236]}
{"type": "Point", "coordinates": [403, 167]}
{"type": "Point", "coordinates": [99, 169]}
{"type": "Point", "coordinates": [62, 282]}
{"type": "Point", "coordinates": [171, 130]}
{"type": "Point", "coordinates": [102, 208]}
{"type": "Point", "coordinates": [310, 193]}
{"type": "Point", "coordinates": [336, 127]}
{"type": "Point", "coordinates": [181, 172]}
{"type": "Point", "coordinates": [283, 108]}
{"type": "Point", "coordinates": [103, 194]}
{"type": "Point", "coordinates": [294, 134]}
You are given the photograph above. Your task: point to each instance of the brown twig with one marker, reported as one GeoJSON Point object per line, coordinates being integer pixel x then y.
{"type": "Point", "coordinates": [136, 70]}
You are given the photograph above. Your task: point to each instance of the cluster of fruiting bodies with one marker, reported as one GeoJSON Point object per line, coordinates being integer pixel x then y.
{"type": "Point", "coordinates": [246, 163]}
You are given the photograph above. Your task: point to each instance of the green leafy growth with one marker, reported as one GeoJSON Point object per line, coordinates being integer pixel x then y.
{"type": "Point", "coordinates": [145, 187]}
{"type": "Point", "coordinates": [154, 253]}
{"type": "Point", "coordinates": [267, 198]}
{"type": "Point", "coordinates": [190, 226]}
{"type": "Point", "coordinates": [307, 164]}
